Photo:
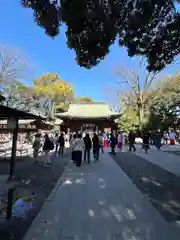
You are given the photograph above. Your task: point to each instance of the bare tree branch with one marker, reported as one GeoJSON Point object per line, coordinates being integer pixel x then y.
{"type": "Point", "coordinates": [13, 65]}
{"type": "Point", "coordinates": [129, 77]}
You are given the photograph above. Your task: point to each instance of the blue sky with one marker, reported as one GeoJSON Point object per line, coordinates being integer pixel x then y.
{"type": "Point", "coordinates": [19, 30]}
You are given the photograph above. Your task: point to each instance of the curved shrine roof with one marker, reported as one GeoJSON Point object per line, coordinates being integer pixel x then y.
{"type": "Point", "coordinates": [88, 110]}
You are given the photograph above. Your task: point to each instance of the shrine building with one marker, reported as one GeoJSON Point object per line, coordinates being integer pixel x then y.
{"type": "Point", "coordinates": [90, 117]}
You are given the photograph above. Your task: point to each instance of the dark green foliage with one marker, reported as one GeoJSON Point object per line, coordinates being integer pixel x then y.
{"type": "Point", "coordinates": [146, 27]}
{"type": "Point", "coordinates": [2, 98]}
{"type": "Point", "coordinates": [164, 109]}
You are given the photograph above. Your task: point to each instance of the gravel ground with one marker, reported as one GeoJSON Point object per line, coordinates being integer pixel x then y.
{"type": "Point", "coordinates": [35, 183]}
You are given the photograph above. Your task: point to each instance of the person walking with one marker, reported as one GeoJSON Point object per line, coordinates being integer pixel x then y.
{"type": "Point", "coordinates": [146, 142]}
{"type": "Point", "coordinates": [113, 142]}
{"type": "Point", "coordinates": [151, 137]}
{"type": "Point", "coordinates": [172, 137]}
{"type": "Point", "coordinates": [47, 147]}
{"type": "Point", "coordinates": [131, 138]}
{"type": "Point", "coordinates": [120, 140]}
{"type": "Point", "coordinates": [72, 147]}
{"type": "Point", "coordinates": [166, 136]}
{"type": "Point", "coordinates": [36, 146]}
{"type": "Point", "coordinates": [78, 147]}
{"type": "Point", "coordinates": [87, 148]}
{"type": "Point", "coordinates": [157, 139]}
{"type": "Point", "coordinates": [101, 142]}
{"type": "Point", "coordinates": [61, 142]}
{"type": "Point", "coordinates": [56, 138]}
{"type": "Point", "coordinates": [95, 141]}
{"type": "Point", "coordinates": [105, 140]}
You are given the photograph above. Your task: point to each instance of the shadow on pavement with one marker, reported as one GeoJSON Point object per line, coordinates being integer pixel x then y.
{"type": "Point", "coordinates": [160, 186]}
{"type": "Point", "coordinates": [20, 204]}
{"type": "Point", "coordinates": [90, 206]}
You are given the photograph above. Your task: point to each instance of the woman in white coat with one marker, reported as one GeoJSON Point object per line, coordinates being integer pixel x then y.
{"type": "Point", "coordinates": [78, 148]}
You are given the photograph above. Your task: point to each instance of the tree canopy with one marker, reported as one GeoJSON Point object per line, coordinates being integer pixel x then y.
{"type": "Point", "coordinates": [138, 93]}
{"type": "Point", "coordinates": [52, 86]}
{"type": "Point", "coordinates": [129, 120]}
{"type": "Point", "coordinates": [48, 86]}
{"type": "Point", "coordinates": [161, 106]}
{"type": "Point", "coordinates": [82, 100]}
{"type": "Point", "coordinates": [148, 28]}
{"type": "Point", "coordinates": [165, 106]}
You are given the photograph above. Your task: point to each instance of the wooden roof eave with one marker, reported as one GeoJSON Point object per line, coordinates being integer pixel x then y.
{"type": "Point", "coordinates": [67, 117]}
{"type": "Point", "coordinates": [6, 112]}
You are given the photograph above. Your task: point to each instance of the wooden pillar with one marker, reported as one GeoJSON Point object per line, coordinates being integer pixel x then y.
{"type": "Point", "coordinates": [9, 203]}
{"type": "Point", "coordinates": [14, 148]}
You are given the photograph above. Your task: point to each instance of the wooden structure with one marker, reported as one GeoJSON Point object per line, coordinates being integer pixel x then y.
{"type": "Point", "coordinates": [25, 126]}
{"type": "Point", "coordinates": [88, 117]}
{"type": "Point", "coordinates": [14, 115]}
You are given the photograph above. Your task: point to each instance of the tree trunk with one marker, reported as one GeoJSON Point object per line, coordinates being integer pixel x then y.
{"type": "Point", "coordinates": [140, 115]}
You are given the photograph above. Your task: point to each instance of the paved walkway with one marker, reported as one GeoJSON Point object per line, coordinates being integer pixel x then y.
{"type": "Point", "coordinates": [99, 202]}
{"type": "Point", "coordinates": [164, 158]}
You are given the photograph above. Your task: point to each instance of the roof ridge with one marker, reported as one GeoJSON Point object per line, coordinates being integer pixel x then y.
{"type": "Point", "coordinates": [73, 103]}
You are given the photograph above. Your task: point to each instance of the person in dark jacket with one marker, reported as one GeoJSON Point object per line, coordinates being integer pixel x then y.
{"type": "Point", "coordinates": [36, 146]}
{"type": "Point", "coordinates": [87, 149]}
{"type": "Point", "coordinates": [61, 144]}
{"type": "Point", "coordinates": [47, 147]}
{"type": "Point", "coordinates": [131, 138]}
{"type": "Point", "coordinates": [113, 142]}
{"type": "Point", "coordinates": [56, 138]}
{"type": "Point", "coordinates": [96, 146]}
{"type": "Point", "coordinates": [146, 142]}
{"type": "Point", "coordinates": [157, 140]}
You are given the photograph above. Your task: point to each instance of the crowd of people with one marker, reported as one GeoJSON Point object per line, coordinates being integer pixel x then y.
{"type": "Point", "coordinates": [156, 138]}
{"type": "Point", "coordinates": [81, 144]}
{"type": "Point", "coordinates": [48, 143]}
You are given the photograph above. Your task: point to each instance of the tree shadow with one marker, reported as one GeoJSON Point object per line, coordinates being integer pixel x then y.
{"type": "Point", "coordinates": [158, 185]}
{"type": "Point", "coordinates": [87, 206]}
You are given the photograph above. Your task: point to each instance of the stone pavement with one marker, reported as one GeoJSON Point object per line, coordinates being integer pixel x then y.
{"type": "Point", "coordinates": [99, 202]}
{"type": "Point", "coordinates": [166, 158]}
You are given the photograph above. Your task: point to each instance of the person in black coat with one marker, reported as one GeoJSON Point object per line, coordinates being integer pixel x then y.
{"type": "Point", "coordinates": [88, 146]}
{"type": "Point", "coordinates": [146, 142]}
{"type": "Point", "coordinates": [113, 142]}
{"type": "Point", "coordinates": [131, 138]}
{"type": "Point", "coordinates": [47, 147]}
{"type": "Point", "coordinates": [96, 146]}
{"type": "Point", "coordinates": [61, 142]}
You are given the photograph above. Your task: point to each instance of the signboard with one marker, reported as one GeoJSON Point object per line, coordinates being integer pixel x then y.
{"type": "Point", "coordinates": [88, 125]}
{"type": "Point", "coordinates": [11, 124]}
{"type": "Point", "coordinates": [27, 126]}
